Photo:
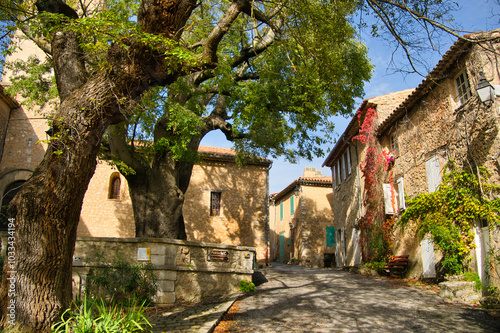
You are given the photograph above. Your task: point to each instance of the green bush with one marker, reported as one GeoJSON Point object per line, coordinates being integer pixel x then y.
{"type": "Point", "coordinates": [474, 277]}
{"type": "Point", "coordinates": [122, 281]}
{"type": "Point", "coordinates": [96, 316]}
{"type": "Point", "coordinates": [247, 286]}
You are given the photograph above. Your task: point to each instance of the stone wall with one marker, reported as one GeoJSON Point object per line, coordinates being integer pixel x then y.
{"type": "Point", "coordinates": [438, 125]}
{"type": "Point", "coordinates": [183, 268]}
{"type": "Point", "coordinates": [243, 215]}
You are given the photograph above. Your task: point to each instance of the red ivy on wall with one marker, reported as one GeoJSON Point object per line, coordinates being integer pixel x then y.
{"type": "Point", "coordinates": [372, 199]}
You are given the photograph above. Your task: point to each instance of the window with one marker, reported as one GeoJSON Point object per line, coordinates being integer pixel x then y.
{"type": "Point", "coordinates": [394, 144]}
{"type": "Point", "coordinates": [114, 186]}
{"type": "Point", "coordinates": [330, 236]}
{"type": "Point", "coordinates": [463, 87]}
{"type": "Point", "coordinates": [292, 205]}
{"type": "Point", "coordinates": [281, 211]}
{"type": "Point", "coordinates": [215, 198]}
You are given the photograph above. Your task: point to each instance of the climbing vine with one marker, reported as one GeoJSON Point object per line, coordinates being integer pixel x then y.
{"type": "Point", "coordinates": [376, 231]}
{"type": "Point", "coordinates": [448, 214]}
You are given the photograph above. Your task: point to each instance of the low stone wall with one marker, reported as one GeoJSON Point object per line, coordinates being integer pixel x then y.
{"type": "Point", "coordinates": [186, 271]}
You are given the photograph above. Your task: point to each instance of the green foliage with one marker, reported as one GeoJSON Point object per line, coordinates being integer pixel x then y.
{"type": "Point", "coordinates": [247, 286]}
{"type": "Point", "coordinates": [121, 281]}
{"type": "Point", "coordinates": [474, 277]}
{"type": "Point", "coordinates": [448, 214]}
{"type": "Point", "coordinates": [96, 316]}
{"type": "Point", "coordinates": [32, 78]}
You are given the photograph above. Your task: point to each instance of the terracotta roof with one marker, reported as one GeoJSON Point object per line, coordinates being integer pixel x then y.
{"type": "Point", "coordinates": [11, 102]}
{"type": "Point", "coordinates": [227, 154]}
{"type": "Point", "coordinates": [460, 47]}
{"type": "Point", "coordinates": [311, 181]}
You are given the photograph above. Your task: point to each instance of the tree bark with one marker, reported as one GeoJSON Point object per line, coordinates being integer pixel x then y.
{"type": "Point", "coordinates": [47, 211]}
{"type": "Point", "coordinates": [156, 190]}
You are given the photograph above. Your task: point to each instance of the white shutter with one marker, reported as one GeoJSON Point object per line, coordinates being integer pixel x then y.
{"type": "Point", "coordinates": [348, 160]}
{"type": "Point", "coordinates": [428, 258]}
{"type": "Point", "coordinates": [343, 166]}
{"type": "Point", "coordinates": [433, 173]}
{"type": "Point", "coordinates": [401, 194]}
{"type": "Point", "coordinates": [338, 172]}
{"type": "Point", "coordinates": [387, 199]}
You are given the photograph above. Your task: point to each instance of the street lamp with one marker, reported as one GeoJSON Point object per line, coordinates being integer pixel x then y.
{"type": "Point", "coordinates": [484, 89]}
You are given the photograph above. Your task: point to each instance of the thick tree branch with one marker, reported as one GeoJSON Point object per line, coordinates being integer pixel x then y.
{"type": "Point", "coordinates": [120, 148]}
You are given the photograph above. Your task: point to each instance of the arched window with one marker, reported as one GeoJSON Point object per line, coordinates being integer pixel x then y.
{"type": "Point", "coordinates": [7, 197]}
{"type": "Point", "coordinates": [114, 186]}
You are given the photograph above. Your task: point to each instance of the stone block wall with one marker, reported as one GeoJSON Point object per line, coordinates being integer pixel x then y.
{"type": "Point", "coordinates": [243, 206]}
{"type": "Point", "coordinates": [183, 268]}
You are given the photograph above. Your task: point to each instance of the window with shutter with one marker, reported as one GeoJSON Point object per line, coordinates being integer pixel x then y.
{"type": "Point", "coordinates": [292, 205]}
{"type": "Point", "coordinates": [281, 211]}
{"type": "Point", "coordinates": [334, 174]}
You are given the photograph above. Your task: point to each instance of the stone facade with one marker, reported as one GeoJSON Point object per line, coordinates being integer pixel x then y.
{"type": "Point", "coordinates": [432, 125]}
{"type": "Point", "coordinates": [184, 269]}
{"type": "Point", "coordinates": [348, 185]}
{"type": "Point", "coordinates": [299, 218]}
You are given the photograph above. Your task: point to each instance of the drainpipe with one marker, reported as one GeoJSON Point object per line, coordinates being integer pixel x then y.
{"type": "Point", "coordinates": [267, 214]}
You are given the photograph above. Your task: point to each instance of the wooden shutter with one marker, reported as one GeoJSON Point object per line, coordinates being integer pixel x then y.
{"type": "Point", "coordinates": [292, 205]}
{"type": "Point", "coordinates": [348, 156]}
{"type": "Point", "coordinates": [387, 199]}
{"type": "Point", "coordinates": [330, 236]}
{"type": "Point", "coordinates": [433, 173]}
{"type": "Point", "coordinates": [401, 194]}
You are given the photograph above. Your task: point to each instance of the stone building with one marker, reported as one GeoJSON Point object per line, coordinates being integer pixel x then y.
{"type": "Point", "coordinates": [348, 185]}
{"type": "Point", "coordinates": [442, 119]}
{"type": "Point", "coordinates": [301, 229]}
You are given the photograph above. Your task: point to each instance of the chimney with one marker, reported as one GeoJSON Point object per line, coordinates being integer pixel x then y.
{"type": "Point", "coordinates": [312, 172]}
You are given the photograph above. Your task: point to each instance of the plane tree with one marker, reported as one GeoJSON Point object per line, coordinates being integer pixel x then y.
{"type": "Point", "coordinates": [266, 73]}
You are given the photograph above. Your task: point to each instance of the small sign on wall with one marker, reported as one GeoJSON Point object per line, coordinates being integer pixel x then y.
{"type": "Point", "coordinates": [143, 254]}
{"type": "Point", "coordinates": [217, 255]}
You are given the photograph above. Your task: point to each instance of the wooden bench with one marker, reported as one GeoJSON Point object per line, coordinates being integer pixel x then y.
{"type": "Point", "coordinates": [398, 264]}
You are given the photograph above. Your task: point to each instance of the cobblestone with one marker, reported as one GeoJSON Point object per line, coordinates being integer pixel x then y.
{"type": "Point", "coordinates": [298, 299]}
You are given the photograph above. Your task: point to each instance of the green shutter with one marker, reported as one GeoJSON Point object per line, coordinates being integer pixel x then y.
{"type": "Point", "coordinates": [330, 236]}
{"type": "Point", "coordinates": [292, 205]}
{"type": "Point", "coordinates": [281, 211]}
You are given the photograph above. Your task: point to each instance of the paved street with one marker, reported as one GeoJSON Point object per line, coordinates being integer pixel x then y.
{"type": "Point", "coordinates": [298, 299]}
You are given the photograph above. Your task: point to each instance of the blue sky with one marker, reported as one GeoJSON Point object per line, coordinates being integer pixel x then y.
{"type": "Point", "coordinates": [473, 15]}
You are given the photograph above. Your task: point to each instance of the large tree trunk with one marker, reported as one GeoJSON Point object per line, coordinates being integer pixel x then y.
{"type": "Point", "coordinates": [47, 211]}
{"type": "Point", "coordinates": [157, 190]}
{"type": "Point", "coordinates": [157, 199]}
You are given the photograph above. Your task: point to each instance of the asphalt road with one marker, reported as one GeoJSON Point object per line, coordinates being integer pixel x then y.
{"type": "Point", "coordinates": [298, 299]}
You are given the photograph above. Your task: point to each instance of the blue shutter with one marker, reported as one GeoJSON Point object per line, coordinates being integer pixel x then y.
{"type": "Point", "coordinates": [292, 205]}
{"type": "Point", "coordinates": [281, 211]}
